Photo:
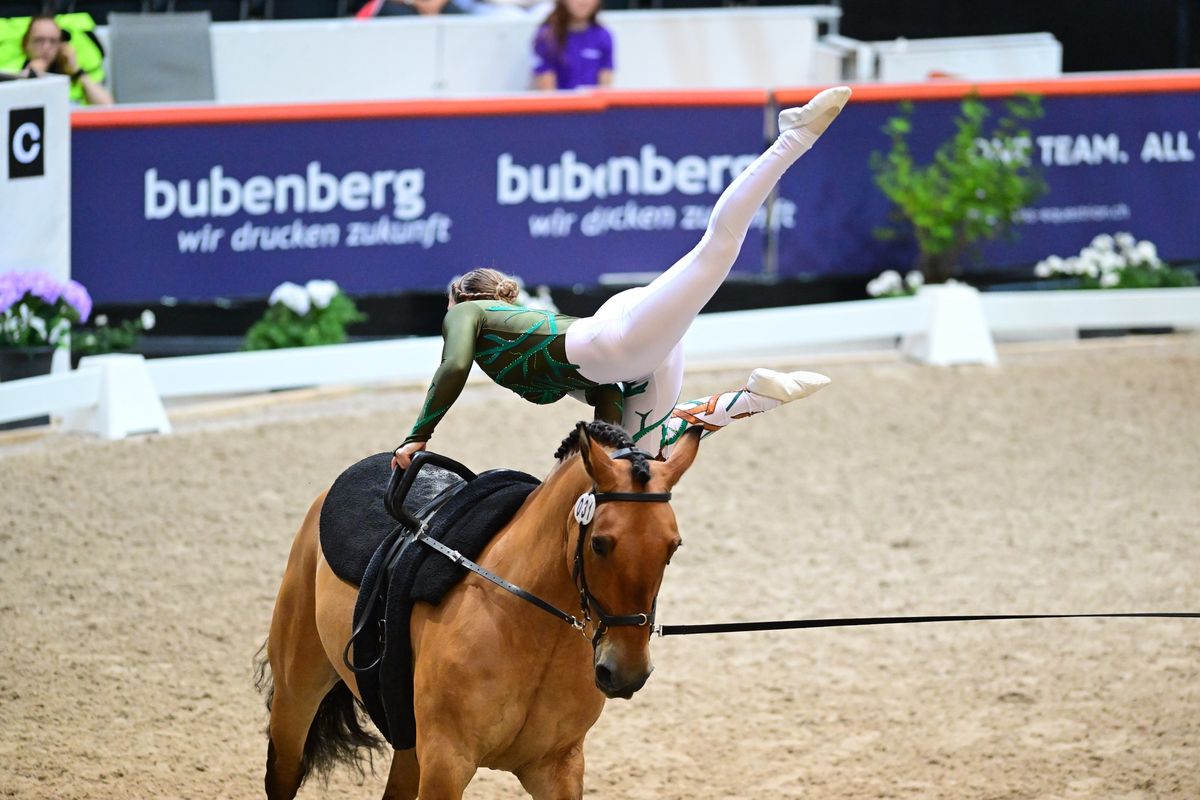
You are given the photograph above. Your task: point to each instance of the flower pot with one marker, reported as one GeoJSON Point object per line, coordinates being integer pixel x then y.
{"type": "Point", "coordinates": [24, 362]}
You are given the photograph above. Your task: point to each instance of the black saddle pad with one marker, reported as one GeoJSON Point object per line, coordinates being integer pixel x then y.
{"type": "Point", "coordinates": [354, 521]}
{"type": "Point", "coordinates": [467, 522]}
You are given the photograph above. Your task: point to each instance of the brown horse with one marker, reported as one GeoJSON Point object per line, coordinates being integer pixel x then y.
{"type": "Point", "coordinates": [497, 682]}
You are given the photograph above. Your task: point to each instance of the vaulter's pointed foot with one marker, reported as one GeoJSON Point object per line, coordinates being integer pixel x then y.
{"type": "Point", "coordinates": [818, 114]}
{"type": "Point", "coordinates": [785, 386]}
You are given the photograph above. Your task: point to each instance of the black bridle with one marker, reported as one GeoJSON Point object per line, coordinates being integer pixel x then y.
{"type": "Point", "coordinates": [585, 509]}
{"type": "Point", "coordinates": [584, 512]}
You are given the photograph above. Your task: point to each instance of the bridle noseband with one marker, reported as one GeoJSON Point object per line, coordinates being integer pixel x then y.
{"type": "Point", "coordinates": [585, 511]}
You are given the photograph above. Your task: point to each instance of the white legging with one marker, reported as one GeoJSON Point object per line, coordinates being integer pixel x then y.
{"type": "Point", "coordinates": [635, 338]}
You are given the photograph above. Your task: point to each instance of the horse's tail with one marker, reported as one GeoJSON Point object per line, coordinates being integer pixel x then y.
{"type": "Point", "coordinates": [337, 734]}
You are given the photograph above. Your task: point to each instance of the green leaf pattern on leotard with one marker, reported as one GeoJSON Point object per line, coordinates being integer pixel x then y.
{"type": "Point", "coordinates": [525, 363]}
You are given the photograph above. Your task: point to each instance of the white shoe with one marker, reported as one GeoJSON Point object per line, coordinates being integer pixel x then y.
{"type": "Point", "coordinates": [818, 114]}
{"type": "Point", "coordinates": [785, 386]}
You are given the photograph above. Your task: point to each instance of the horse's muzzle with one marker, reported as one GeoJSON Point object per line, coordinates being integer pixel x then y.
{"type": "Point", "coordinates": [614, 682]}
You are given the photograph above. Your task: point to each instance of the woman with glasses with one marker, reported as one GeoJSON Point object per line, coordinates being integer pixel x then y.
{"type": "Point", "coordinates": [48, 51]}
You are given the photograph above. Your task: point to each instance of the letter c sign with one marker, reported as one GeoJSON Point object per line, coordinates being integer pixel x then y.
{"type": "Point", "coordinates": [26, 142]}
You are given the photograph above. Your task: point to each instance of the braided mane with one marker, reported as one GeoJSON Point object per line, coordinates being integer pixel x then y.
{"type": "Point", "coordinates": [611, 435]}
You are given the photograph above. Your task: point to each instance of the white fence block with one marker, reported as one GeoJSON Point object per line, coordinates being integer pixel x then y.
{"type": "Point", "coordinates": [955, 330]}
{"type": "Point", "coordinates": [127, 402]}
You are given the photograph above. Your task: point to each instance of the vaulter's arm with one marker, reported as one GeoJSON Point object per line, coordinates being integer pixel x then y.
{"type": "Point", "coordinates": [460, 329]}
{"type": "Point", "coordinates": [608, 401]}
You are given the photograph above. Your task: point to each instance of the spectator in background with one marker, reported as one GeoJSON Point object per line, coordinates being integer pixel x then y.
{"type": "Point", "coordinates": [572, 49]}
{"type": "Point", "coordinates": [409, 8]}
{"type": "Point", "coordinates": [48, 51]}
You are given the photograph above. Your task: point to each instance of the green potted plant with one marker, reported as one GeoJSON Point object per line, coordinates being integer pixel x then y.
{"type": "Point", "coordinates": [978, 179]}
{"type": "Point", "coordinates": [302, 316]}
{"type": "Point", "coordinates": [104, 337]}
{"type": "Point", "coordinates": [37, 311]}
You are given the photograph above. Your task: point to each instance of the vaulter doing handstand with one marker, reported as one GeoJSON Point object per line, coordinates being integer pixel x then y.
{"type": "Point", "coordinates": [626, 360]}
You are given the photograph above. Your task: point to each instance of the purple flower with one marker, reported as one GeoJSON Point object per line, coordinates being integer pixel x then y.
{"type": "Point", "coordinates": [78, 298]}
{"type": "Point", "coordinates": [9, 294]}
{"type": "Point", "coordinates": [43, 286]}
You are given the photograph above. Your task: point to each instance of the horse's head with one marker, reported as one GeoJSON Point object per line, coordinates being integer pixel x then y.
{"type": "Point", "coordinates": [623, 546]}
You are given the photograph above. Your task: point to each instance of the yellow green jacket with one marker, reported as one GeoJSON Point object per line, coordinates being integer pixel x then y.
{"type": "Point", "coordinates": [82, 28]}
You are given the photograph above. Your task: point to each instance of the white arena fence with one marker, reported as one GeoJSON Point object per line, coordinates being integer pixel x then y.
{"type": "Point", "coordinates": [117, 395]}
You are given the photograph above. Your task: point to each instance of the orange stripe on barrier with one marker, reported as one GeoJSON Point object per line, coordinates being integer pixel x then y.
{"type": "Point", "coordinates": [315, 112]}
{"type": "Point", "coordinates": [596, 101]}
{"type": "Point", "coordinates": [738, 97]}
{"type": "Point", "coordinates": [1056, 87]}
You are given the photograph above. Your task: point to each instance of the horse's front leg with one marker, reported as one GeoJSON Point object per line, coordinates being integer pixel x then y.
{"type": "Point", "coordinates": [403, 776]}
{"type": "Point", "coordinates": [559, 776]}
{"type": "Point", "coordinates": [445, 769]}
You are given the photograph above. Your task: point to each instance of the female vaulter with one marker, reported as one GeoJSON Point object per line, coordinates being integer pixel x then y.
{"type": "Point", "coordinates": [626, 360]}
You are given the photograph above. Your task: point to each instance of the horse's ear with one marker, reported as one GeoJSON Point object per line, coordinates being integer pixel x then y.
{"type": "Point", "coordinates": [595, 459]}
{"type": "Point", "coordinates": [682, 455]}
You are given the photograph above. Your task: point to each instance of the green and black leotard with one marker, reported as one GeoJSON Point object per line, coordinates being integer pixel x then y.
{"type": "Point", "coordinates": [522, 349]}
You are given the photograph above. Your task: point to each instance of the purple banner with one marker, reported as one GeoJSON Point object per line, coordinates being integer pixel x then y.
{"type": "Point", "coordinates": [200, 211]}
{"type": "Point", "coordinates": [1111, 163]}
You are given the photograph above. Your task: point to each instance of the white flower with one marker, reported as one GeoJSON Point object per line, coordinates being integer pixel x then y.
{"type": "Point", "coordinates": [59, 330]}
{"type": "Point", "coordinates": [321, 292]}
{"type": "Point", "coordinates": [1125, 241]}
{"type": "Point", "coordinates": [1103, 242]}
{"type": "Point", "coordinates": [1042, 270]}
{"type": "Point", "coordinates": [148, 320]}
{"type": "Point", "coordinates": [914, 279]}
{"type": "Point", "coordinates": [891, 280]}
{"type": "Point", "coordinates": [1112, 262]}
{"type": "Point", "coordinates": [293, 296]}
{"type": "Point", "coordinates": [1055, 263]}
{"type": "Point", "coordinates": [1109, 280]}
{"type": "Point", "coordinates": [874, 288]}
{"type": "Point", "coordinates": [39, 326]}
{"type": "Point", "coordinates": [1146, 251]}
{"type": "Point", "coordinates": [101, 320]}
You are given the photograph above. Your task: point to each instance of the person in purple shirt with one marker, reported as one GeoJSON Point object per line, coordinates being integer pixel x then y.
{"type": "Point", "coordinates": [572, 49]}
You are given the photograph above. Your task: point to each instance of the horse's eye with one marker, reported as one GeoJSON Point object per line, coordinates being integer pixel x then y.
{"type": "Point", "coordinates": [602, 545]}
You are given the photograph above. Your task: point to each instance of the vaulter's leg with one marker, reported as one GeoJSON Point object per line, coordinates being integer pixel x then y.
{"type": "Point", "coordinates": [557, 777]}
{"type": "Point", "coordinates": [765, 389]}
{"type": "Point", "coordinates": [634, 331]}
{"type": "Point", "coordinates": [404, 776]}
